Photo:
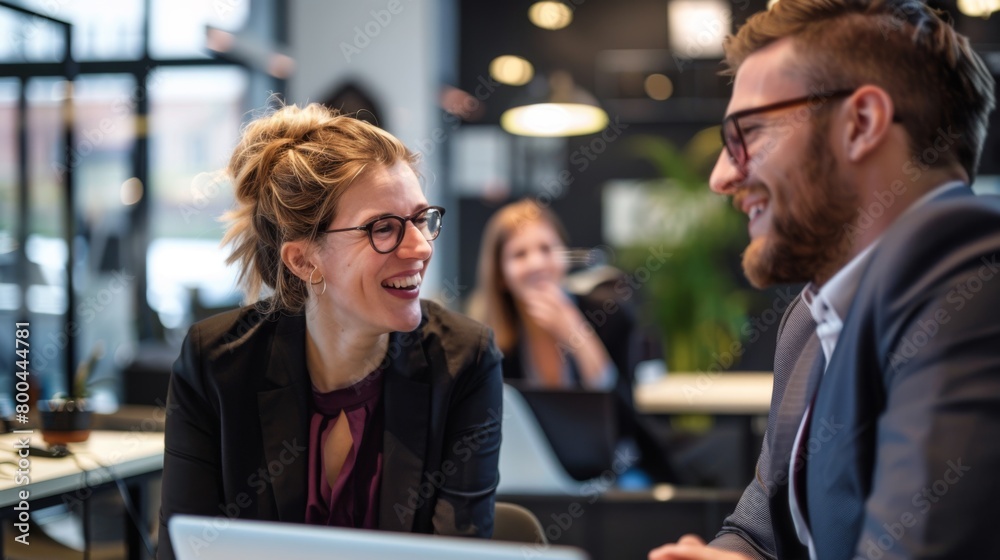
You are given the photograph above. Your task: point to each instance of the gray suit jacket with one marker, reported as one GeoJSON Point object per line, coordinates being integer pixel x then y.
{"type": "Point", "coordinates": [238, 423]}
{"type": "Point", "coordinates": [904, 443]}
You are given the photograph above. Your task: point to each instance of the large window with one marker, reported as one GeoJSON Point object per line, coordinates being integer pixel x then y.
{"type": "Point", "coordinates": [10, 291]}
{"type": "Point", "coordinates": [195, 117]}
{"type": "Point", "coordinates": [102, 29]}
{"type": "Point", "coordinates": [177, 27]}
{"type": "Point", "coordinates": [29, 39]}
{"type": "Point", "coordinates": [150, 134]}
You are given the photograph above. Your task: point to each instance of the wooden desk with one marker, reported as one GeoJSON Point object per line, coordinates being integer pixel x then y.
{"type": "Point", "coordinates": [744, 394]}
{"type": "Point", "coordinates": [132, 457]}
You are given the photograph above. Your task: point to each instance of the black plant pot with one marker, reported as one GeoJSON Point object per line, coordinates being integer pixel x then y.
{"type": "Point", "coordinates": [64, 421]}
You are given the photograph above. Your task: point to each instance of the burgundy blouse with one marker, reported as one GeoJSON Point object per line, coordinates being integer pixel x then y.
{"type": "Point", "coordinates": [353, 499]}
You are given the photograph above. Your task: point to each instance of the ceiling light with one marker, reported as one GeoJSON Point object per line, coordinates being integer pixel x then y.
{"type": "Point", "coordinates": [563, 110]}
{"type": "Point", "coordinates": [698, 27]}
{"type": "Point", "coordinates": [978, 8]}
{"type": "Point", "coordinates": [131, 191]}
{"type": "Point", "coordinates": [658, 86]}
{"type": "Point", "coordinates": [550, 15]}
{"type": "Point", "coordinates": [511, 70]}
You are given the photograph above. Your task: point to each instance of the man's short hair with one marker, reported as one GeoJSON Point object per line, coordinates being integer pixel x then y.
{"type": "Point", "coordinates": [940, 87]}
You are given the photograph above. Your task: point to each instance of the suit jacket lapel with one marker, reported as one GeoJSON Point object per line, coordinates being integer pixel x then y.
{"type": "Point", "coordinates": [801, 387]}
{"type": "Point", "coordinates": [407, 406]}
{"type": "Point", "coordinates": [795, 352]}
{"type": "Point", "coordinates": [284, 420]}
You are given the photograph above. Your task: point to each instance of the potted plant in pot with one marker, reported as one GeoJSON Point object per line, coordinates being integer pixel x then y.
{"type": "Point", "coordinates": [66, 418]}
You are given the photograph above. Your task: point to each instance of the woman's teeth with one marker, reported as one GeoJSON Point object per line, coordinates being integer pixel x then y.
{"type": "Point", "coordinates": [403, 282]}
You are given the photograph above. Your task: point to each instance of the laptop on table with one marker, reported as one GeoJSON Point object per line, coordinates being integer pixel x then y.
{"type": "Point", "coordinates": [219, 538]}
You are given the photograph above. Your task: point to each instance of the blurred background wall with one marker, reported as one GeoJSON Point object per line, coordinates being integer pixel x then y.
{"type": "Point", "coordinates": [117, 118]}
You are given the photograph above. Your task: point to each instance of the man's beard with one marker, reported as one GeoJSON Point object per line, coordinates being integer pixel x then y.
{"type": "Point", "coordinates": [808, 238]}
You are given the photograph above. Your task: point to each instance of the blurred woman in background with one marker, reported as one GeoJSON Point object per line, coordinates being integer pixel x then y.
{"type": "Point", "coordinates": [551, 338]}
{"type": "Point", "coordinates": [541, 328]}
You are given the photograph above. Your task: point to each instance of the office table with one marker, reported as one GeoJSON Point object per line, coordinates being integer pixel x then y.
{"type": "Point", "coordinates": [131, 456]}
{"type": "Point", "coordinates": [732, 398]}
{"type": "Point", "coordinates": [744, 394]}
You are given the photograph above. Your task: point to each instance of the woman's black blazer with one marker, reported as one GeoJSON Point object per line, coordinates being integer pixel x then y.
{"type": "Point", "coordinates": [238, 424]}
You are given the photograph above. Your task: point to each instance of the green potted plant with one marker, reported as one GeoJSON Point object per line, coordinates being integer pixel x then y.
{"type": "Point", "coordinates": [66, 417]}
{"type": "Point", "coordinates": [695, 298]}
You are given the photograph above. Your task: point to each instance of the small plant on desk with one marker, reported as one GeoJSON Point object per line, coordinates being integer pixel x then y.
{"type": "Point", "coordinates": [66, 418]}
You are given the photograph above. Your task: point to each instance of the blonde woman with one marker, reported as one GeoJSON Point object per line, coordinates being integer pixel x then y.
{"type": "Point", "coordinates": [341, 398]}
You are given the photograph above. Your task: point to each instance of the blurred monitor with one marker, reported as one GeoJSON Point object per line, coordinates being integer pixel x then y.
{"type": "Point", "coordinates": [581, 426]}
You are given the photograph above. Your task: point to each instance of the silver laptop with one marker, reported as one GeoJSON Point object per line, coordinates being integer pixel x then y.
{"type": "Point", "coordinates": [218, 538]}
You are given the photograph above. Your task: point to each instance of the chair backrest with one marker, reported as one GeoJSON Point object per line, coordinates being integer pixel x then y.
{"type": "Point", "coordinates": [527, 463]}
{"type": "Point", "coordinates": [512, 522]}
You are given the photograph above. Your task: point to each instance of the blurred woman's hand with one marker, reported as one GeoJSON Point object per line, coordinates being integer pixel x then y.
{"type": "Point", "coordinates": [552, 310]}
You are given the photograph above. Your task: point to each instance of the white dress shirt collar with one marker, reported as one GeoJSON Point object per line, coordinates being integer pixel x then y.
{"type": "Point", "coordinates": [829, 305]}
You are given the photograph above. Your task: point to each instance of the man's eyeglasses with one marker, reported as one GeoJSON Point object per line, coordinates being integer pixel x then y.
{"type": "Point", "coordinates": [386, 232]}
{"type": "Point", "coordinates": [732, 134]}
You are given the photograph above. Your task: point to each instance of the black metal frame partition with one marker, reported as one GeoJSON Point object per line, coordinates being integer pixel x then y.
{"type": "Point", "coordinates": [66, 69]}
{"type": "Point", "coordinates": [139, 218]}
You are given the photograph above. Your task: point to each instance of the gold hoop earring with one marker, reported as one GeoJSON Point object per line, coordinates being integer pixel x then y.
{"type": "Point", "coordinates": [322, 281]}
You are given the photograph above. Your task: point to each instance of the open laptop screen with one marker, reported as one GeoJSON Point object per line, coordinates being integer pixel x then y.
{"type": "Point", "coordinates": [581, 426]}
{"type": "Point", "coordinates": [218, 538]}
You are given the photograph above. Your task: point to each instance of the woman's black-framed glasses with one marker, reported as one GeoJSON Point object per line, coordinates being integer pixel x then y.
{"type": "Point", "coordinates": [386, 232]}
{"type": "Point", "coordinates": [732, 134]}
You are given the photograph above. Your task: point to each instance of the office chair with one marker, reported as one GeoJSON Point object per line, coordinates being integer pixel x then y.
{"type": "Point", "coordinates": [512, 522]}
